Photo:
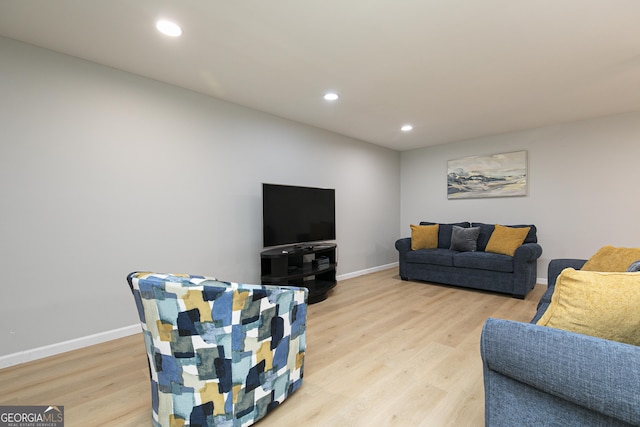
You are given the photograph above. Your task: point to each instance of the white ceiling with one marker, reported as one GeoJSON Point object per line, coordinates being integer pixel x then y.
{"type": "Point", "coordinates": [455, 69]}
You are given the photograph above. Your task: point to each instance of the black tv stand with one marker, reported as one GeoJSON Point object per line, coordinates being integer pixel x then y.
{"type": "Point", "coordinates": [312, 266]}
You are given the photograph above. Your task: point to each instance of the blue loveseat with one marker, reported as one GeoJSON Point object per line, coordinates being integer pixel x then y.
{"type": "Point", "coordinates": [514, 275]}
{"type": "Point", "coordinates": [540, 376]}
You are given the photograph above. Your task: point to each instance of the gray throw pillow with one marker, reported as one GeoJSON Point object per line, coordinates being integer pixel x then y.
{"type": "Point", "coordinates": [635, 266]}
{"type": "Point", "coordinates": [464, 239]}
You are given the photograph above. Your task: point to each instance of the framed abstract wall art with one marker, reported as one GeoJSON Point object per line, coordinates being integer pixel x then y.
{"type": "Point", "coordinates": [498, 175]}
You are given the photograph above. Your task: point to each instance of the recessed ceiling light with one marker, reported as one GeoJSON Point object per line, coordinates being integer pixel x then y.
{"type": "Point", "coordinates": [331, 96]}
{"type": "Point", "coordinates": [406, 128]}
{"type": "Point", "coordinates": [169, 28]}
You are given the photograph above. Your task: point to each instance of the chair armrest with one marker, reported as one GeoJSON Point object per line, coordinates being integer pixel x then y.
{"type": "Point", "coordinates": [598, 374]}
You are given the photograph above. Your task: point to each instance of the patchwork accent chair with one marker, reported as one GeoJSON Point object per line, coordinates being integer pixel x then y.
{"type": "Point", "coordinates": [220, 353]}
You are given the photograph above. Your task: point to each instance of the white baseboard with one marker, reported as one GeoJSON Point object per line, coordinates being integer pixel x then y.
{"type": "Point", "coordinates": [541, 281]}
{"type": "Point", "coordinates": [367, 271]}
{"type": "Point", "coordinates": [74, 344]}
{"type": "Point", "coordinates": [63, 347]}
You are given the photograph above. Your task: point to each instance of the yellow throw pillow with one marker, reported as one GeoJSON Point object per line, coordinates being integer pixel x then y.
{"type": "Point", "coordinates": [609, 258]}
{"type": "Point", "coordinates": [600, 304]}
{"type": "Point", "coordinates": [424, 236]}
{"type": "Point", "coordinates": [505, 240]}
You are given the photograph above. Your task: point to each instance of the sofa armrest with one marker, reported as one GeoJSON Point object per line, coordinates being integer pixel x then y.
{"type": "Point", "coordinates": [404, 244]}
{"type": "Point", "coordinates": [525, 265]}
{"type": "Point", "coordinates": [553, 271]}
{"type": "Point", "coordinates": [557, 265]}
{"type": "Point", "coordinates": [527, 252]}
{"type": "Point", "coordinates": [600, 375]}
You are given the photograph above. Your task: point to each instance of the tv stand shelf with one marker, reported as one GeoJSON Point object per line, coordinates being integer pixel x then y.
{"type": "Point", "coordinates": [299, 265]}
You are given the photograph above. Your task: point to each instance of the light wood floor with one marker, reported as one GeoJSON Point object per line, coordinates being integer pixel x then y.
{"type": "Point", "coordinates": [380, 351]}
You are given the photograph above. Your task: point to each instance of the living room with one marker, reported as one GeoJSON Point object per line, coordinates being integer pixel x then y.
{"type": "Point", "coordinates": [105, 172]}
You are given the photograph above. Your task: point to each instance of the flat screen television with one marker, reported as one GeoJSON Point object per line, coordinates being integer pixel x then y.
{"type": "Point", "coordinates": [297, 215]}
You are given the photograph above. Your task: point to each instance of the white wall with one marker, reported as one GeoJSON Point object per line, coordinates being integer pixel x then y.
{"type": "Point", "coordinates": [103, 172]}
{"type": "Point", "coordinates": [583, 183]}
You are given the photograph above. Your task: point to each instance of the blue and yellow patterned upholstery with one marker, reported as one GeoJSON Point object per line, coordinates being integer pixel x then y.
{"type": "Point", "coordinates": [220, 353]}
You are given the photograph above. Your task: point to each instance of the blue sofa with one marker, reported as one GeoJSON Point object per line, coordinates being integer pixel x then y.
{"type": "Point", "coordinates": [478, 269]}
{"type": "Point", "coordinates": [540, 376]}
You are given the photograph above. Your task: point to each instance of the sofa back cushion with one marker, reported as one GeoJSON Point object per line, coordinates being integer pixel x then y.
{"type": "Point", "coordinates": [444, 232]}
{"type": "Point", "coordinates": [487, 229]}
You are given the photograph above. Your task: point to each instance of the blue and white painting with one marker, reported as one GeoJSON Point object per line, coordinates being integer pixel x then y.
{"type": "Point", "coordinates": [499, 175]}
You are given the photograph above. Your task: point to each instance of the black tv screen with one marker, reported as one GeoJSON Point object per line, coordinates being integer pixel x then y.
{"type": "Point", "coordinates": [292, 214]}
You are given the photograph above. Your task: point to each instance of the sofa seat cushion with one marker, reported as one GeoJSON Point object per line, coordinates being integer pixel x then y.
{"type": "Point", "coordinates": [484, 261]}
{"type": "Point", "coordinates": [432, 256]}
